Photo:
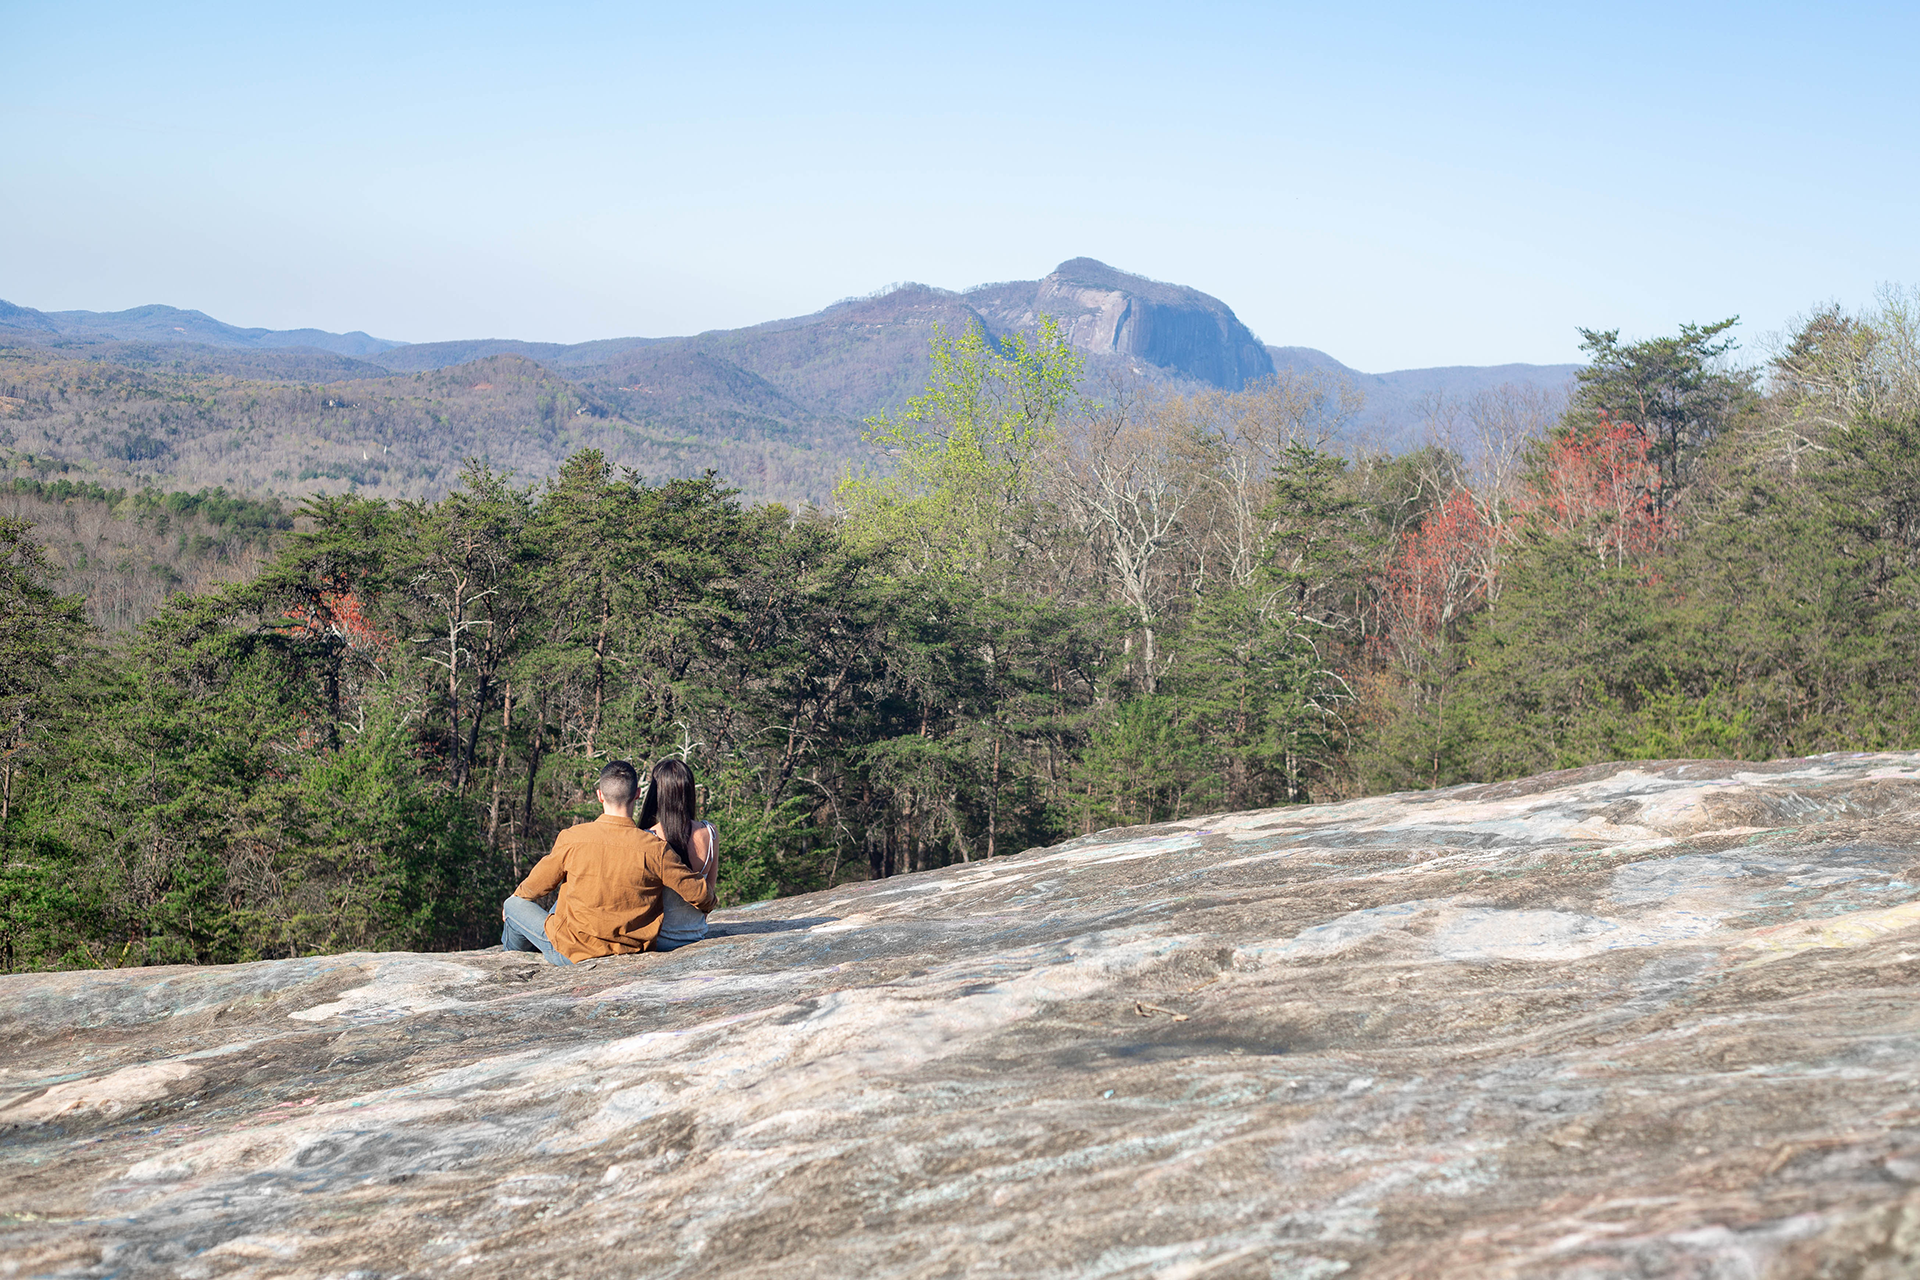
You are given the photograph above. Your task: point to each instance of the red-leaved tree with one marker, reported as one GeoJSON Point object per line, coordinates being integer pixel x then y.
{"type": "Point", "coordinates": [1600, 485]}
{"type": "Point", "coordinates": [1441, 570]}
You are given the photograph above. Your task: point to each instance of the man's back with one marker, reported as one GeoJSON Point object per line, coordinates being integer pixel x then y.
{"type": "Point", "coordinates": [609, 874]}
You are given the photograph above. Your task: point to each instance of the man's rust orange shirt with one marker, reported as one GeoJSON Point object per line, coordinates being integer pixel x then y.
{"type": "Point", "coordinates": [609, 874]}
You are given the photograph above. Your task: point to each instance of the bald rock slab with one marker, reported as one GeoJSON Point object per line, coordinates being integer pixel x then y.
{"type": "Point", "coordinates": [1656, 1019]}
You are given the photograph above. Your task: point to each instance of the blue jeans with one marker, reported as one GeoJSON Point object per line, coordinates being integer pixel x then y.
{"type": "Point", "coordinates": [525, 929]}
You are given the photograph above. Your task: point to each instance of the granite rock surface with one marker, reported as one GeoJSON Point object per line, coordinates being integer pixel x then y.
{"type": "Point", "coordinates": [1634, 1020]}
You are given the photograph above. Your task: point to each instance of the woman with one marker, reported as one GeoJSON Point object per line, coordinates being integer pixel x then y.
{"type": "Point", "coordinates": [668, 812]}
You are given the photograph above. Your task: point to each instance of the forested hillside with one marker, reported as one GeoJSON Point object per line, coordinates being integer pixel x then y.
{"type": "Point", "coordinates": [179, 426]}
{"type": "Point", "coordinates": [1053, 613]}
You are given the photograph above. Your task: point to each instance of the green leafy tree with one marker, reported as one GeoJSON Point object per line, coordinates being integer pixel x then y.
{"type": "Point", "coordinates": [44, 641]}
{"type": "Point", "coordinates": [50, 683]}
{"type": "Point", "coordinates": [1142, 764]}
{"type": "Point", "coordinates": [1677, 390]}
{"type": "Point", "coordinates": [964, 451]}
{"type": "Point", "coordinates": [1262, 695]}
{"type": "Point", "coordinates": [1546, 672]}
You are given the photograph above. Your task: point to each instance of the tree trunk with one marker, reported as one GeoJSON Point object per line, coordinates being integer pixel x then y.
{"type": "Point", "coordinates": [953, 817]}
{"type": "Point", "coordinates": [499, 767]}
{"type": "Point", "coordinates": [453, 700]}
{"type": "Point", "coordinates": [533, 772]}
{"type": "Point", "coordinates": [993, 800]}
{"type": "Point", "coordinates": [333, 705]}
{"type": "Point", "coordinates": [473, 730]}
{"type": "Point", "coordinates": [599, 670]}
{"type": "Point", "coordinates": [915, 839]}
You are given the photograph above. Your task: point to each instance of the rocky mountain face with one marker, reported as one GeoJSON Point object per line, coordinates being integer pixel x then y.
{"type": "Point", "coordinates": [1640, 1020]}
{"type": "Point", "coordinates": [1106, 312]}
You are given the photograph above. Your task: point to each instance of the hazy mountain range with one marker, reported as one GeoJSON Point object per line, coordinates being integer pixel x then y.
{"type": "Point", "coordinates": [776, 407]}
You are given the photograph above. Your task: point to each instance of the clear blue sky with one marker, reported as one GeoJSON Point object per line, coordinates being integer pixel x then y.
{"type": "Point", "coordinates": [1399, 185]}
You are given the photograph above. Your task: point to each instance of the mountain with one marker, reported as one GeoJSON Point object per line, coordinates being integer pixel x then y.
{"type": "Point", "coordinates": [1111, 313]}
{"type": "Point", "coordinates": [272, 364]}
{"type": "Point", "coordinates": [1395, 417]}
{"type": "Point", "coordinates": [420, 356]}
{"type": "Point", "coordinates": [846, 358]}
{"type": "Point", "coordinates": [172, 325]}
{"type": "Point", "coordinates": [24, 321]}
{"type": "Point", "coordinates": [776, 407]}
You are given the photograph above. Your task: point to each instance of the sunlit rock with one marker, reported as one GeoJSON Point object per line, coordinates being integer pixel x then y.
{"type": "Point", "coordinates": [1646, 1020]}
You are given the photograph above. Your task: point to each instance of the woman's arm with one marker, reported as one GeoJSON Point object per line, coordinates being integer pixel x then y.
{"type": "Point", "coordinates": [706, 853]}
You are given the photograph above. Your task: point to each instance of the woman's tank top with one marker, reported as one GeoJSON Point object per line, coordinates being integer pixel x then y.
{"type": "Point", "coordinates": [680, 923]}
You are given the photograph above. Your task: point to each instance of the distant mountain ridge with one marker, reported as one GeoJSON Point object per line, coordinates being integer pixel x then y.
{"type": "Point", "coordinates": [803, 384]}
{"type": "Point", "coordinates": [172, 325]}
{"type": "Point", "coordinates": [1105, 312]}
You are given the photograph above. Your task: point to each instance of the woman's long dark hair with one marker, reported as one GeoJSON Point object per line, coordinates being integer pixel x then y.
{"type": "Point", "coordinates": [670, 803]}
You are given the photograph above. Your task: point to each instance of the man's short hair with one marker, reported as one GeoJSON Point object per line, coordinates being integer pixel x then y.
{"type": "Point", "coordinates": [618, 782]}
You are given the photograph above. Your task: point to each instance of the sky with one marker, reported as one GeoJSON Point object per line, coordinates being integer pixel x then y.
{"type": "Point", "coordinates": [1400, 186]}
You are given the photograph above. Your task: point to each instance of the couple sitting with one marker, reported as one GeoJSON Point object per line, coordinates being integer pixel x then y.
{"type": "Point", "coordinates": [623, 885]}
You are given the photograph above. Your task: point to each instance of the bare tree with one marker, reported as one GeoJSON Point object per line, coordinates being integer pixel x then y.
{"type": "Point", "coordinates": [1840, 368]}
{"type": "Point", "coordinates": [1247, 434]}
{"type": "Point", "coordinates": [1123, 475]}
{"type": "Point", "coordinates": [1504, 423]}
{"type": "Point", "coordinates": [1491, 432]}
{"type": "Point", "coordinates": [1487, 437]}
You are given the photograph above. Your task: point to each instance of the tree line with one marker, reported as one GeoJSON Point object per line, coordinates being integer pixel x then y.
{"type": "Point", "coordinates": [1058, 608]}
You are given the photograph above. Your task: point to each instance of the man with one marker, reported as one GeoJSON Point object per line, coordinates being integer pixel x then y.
{"type": "Point", "coordinates": [609, 874]}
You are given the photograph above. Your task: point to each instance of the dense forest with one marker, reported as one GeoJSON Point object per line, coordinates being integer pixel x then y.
{"type": "Point", "coordinates": [1061, 607]}
{"type": "Point", "coordinates": [138, 418]}
{"type": "Point", "coordinates": [127, 552]}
